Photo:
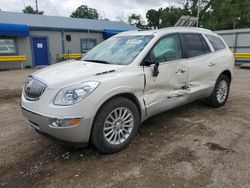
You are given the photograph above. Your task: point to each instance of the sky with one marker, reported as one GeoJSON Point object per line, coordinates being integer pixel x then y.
{"type": "Point", "coordinates": [111, 9]}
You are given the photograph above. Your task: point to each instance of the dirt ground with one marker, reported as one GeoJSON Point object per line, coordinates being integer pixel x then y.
{"type": "Point", "coordinates": [191, 146]}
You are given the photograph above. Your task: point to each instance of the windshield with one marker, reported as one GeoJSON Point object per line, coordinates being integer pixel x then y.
{"type": "Point", "coordinates": [121, 50]}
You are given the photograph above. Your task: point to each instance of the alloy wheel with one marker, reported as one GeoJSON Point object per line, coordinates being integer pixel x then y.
{"type": "Point", "coordinates": [222, 91]}
{"type": "Point", "coordinates": [118, 126]}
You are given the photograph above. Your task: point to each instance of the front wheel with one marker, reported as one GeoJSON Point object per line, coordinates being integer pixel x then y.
{"type": "Point", "coordinates": [115, 125]}
{"type": "Point", "coordinates": [220, 93]}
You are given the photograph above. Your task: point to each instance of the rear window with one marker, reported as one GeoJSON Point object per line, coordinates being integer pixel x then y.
{"type": "Point", "coordinates": [216, 42]}
{"type": "Point", "coordinates": [193, 45]}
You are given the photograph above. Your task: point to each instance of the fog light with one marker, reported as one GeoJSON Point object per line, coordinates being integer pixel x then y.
{"type": "Point", "coordinates": [64, 122]}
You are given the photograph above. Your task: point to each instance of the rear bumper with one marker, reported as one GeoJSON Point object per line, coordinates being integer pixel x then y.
{"type": "Point", "coordinates": [75, 135]}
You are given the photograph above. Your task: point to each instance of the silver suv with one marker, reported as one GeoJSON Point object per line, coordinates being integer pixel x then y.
{"type": "Point", "coordinates": [105, 96]}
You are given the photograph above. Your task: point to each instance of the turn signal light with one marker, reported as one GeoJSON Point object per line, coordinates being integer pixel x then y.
{"type": "Point", "coordinates": [75, 121]}
{"type": "Point", "coordinates": [64, 122]}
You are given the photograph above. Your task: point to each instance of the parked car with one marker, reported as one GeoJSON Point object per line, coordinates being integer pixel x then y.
{"type": "Point", "coordinates": [104, 97]}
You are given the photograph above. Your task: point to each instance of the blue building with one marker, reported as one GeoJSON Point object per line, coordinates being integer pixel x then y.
{"type": "Point", "coordinates": [42, 39]}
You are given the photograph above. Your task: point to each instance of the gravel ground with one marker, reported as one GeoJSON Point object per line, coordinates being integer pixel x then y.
{"type": "Point", "coordinates": [191, 146]}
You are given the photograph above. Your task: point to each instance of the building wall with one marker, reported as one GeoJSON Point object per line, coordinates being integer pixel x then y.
{"type": "Point", "coordinates": [55, 45]}
{"type": "Point", "coordinates": [22, 46]}
{"type": "Point", "coordinates": [74, 45]}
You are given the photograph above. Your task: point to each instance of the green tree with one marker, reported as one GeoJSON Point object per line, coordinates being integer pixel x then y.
{"type": "Point", "coordinates": [214, 14]}
{"type": "Point", "coordinates": [226, 14]}
{"type": "Point", "coordinates": [220, 16]}
{"type": "Point", "coordinates": [135, 20]}
{"type": "Point", "coordinates": [169, 16]}
{"type": "Point", "coordinates": [190, 7]}
{"type": "Point", "coordinates": [153, 17]}
{"type": "Point", "coordinates": [84, 11]}
{"type": "Point", "coordinates": [29, 10]}
{"type": "Point", "coordinates": [242, 13]}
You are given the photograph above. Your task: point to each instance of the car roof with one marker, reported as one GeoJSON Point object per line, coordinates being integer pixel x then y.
{"type": "Point", "coordinates": [167, 30]}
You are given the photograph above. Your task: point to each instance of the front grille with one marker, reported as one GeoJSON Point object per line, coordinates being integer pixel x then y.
{"type": "Point", "coordinates": [33, 89]}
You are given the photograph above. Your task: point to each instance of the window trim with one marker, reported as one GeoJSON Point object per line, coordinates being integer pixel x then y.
{"type": "Point", "coordinates": [204, 42]}
{"type": "Point", "coordinates": [162, 37]}
{"type": "Point", "coordinates": [15, 43]}
{"type": "Point", "coordinates": [86, 39]}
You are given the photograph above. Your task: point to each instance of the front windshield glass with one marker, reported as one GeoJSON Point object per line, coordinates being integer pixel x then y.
{"type": "Point", "coordinates": [121, 50]}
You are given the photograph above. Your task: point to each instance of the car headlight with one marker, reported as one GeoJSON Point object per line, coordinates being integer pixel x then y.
{"type": "Point", "coordinates": [74, 93]}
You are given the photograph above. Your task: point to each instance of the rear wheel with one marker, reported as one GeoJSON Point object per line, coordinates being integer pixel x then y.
{"type": "Point", "coordinates": [115, 125]}
{"type": "Point", "coordinates": [220, 93]}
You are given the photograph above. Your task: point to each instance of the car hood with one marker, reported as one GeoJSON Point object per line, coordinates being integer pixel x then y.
{"type": "Point", "coordinates": [65, 73]}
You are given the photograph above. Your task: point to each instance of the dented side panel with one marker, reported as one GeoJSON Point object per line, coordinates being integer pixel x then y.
{"type": "Point", "coordinates": [166, 90]}
{"type": "Point", "coordinates": [201, 75]}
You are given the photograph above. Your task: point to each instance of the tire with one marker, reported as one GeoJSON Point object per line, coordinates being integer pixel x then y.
{"type": "Point", "coordinates": [110, 117]}
{"type": "Point", "coordinates": [221, 91]}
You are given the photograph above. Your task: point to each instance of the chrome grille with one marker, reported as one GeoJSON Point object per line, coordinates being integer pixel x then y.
{"type": "Point", "coordinates": [33, 89]}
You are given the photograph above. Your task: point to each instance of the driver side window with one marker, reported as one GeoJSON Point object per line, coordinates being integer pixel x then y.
{"type": "Point", "coordinates": [167, 49]}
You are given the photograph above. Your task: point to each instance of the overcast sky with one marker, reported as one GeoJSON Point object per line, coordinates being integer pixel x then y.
{"type": "Point", "coordinates": [112, 9]}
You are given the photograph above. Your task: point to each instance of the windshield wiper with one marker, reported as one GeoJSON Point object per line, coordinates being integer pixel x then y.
{"type": "Point", "coordinates": [97, 61]}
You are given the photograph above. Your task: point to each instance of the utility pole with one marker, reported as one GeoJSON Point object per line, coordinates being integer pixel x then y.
{"type": "Point", "coordinates": [36, 7]}
{"type": "Point", "coordinates": [198, 13]}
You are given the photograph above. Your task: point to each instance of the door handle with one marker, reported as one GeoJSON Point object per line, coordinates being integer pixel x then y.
{"type": "Point", "coordinates": [180, 71]}
{"type": "Point", "coordinates": [211, 64]}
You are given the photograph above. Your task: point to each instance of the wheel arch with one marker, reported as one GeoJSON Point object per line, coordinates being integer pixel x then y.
{"type": "Point", "coordinates": [228, 74]}
{"type": "Point", "coordinates": [127, 95]}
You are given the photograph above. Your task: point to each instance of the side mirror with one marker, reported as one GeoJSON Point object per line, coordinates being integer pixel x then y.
{"type": "Point", "coordinates": [156, 70]}
{"type": "Point", "coordinates": [148, 62]}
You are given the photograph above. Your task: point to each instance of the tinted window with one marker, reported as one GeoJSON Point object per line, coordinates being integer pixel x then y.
{"type": "Point", "coordinates": [167, 49]}
{"type": "Point", "coordinates": [216, 42]}
{"type": "Point", "coordinates": [193, 45]}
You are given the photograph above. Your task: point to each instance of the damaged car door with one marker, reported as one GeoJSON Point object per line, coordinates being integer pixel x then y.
{"type": "Point", "coordinates": [201, 65]}
{"type": "Point", "coordinates": [165, 75]}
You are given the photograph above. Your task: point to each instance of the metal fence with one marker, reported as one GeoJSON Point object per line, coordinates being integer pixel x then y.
{"type": "Point", "coordinates": [239, 41]}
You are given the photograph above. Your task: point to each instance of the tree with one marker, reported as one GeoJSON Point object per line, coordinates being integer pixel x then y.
{"type": "Point", "coordinates": [242, 13]}
{"type": "Point", "coordinates": [84, 11]}
{"type": "Point", "coordinates": [214, 15]}
{"type": "Point", "coordinates": [191, 6]}
{"type": "Point", "coordinates": [164, 17]}
{"type": "Point", "coordinates": [226, 14]}
{"type": "Point", "coordinates": [135, 20]}
{"type": "Point", "coordinates": [220, 16]}
{"type": "Point", "coordinates": [29, 10]}
{"type": "Point", "coordinates": [169, 16]}
{"type": "Point", "coordinates": [153, 17]}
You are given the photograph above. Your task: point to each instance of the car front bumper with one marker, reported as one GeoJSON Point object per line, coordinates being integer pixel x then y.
{"type": "Point", "coordinates": [74, 135]}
